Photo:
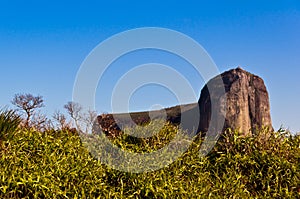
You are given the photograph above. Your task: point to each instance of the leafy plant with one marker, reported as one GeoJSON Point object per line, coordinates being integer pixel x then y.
{"type": "Point", "coordinates": [56, 164]}
{"type": "Point", "coordinates": [9, 122]}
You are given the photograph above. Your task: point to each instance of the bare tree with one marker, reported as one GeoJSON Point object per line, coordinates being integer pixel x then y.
{"type": "Point", "coordinates": [83, 119]}
{"type": "Point", "coordinates": [28, 104]}
{"type": "Point", "coordinates": [40, 122]}
{"type": "Point", "coordinates": [74, 110]}
{"type": "Point", "coordinates": [89, 120]}
{"type": "Point", "coordinates": [61, 119]}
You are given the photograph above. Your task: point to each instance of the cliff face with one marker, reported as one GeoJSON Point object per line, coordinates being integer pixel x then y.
{"type": "Point", "coordinates": [246, 102]}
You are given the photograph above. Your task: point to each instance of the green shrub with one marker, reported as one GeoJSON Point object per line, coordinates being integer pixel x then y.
{"type": "Point", "coordinates": [55, 164]}
{"type": "Point", "coordinates": [9, 122]}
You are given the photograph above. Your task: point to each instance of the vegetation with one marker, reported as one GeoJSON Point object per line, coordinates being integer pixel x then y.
{"type": "Point", "coordinates": [27, 103]}
{"type": "Point", "coordinates": [9, 122]}
{"type": "Point", "coordinates": [55, 164]}
{"type": "Point", "coordinates": [51, 162]}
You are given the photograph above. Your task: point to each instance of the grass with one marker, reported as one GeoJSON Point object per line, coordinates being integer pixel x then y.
{"type": "Point", "coordinates": [55, 164]}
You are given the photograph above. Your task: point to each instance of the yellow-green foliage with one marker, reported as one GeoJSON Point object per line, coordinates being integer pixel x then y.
{"type": "Point", "coordinates": [56, 165]}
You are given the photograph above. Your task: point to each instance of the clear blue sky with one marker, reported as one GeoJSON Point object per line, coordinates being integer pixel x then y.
{"type": "Point", "coordinates": [42, 46]}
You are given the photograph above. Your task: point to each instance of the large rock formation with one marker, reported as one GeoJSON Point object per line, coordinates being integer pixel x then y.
{"type": "Point", "coordinates": [240, 101]}
{"type": "Point", "coordinates": [244, 105]}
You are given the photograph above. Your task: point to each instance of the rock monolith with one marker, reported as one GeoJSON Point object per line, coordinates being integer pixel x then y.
{"type": "Point", "coordinates": [244, 104]}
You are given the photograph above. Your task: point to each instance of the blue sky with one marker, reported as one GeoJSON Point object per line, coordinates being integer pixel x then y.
{"type": "Point", "coordinates": [42, 46]}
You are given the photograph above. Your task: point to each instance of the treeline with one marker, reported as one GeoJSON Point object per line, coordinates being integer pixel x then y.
{"type": "Point", "coordinates": [28, 111]}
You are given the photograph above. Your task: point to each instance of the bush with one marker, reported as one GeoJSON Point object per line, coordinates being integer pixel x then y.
{"type": "Point", "coordinates": [55, 164]}
{"type": "Point", "coordinates": [9, 122]}
{"type": "Point", "coordinates": [267, 165]}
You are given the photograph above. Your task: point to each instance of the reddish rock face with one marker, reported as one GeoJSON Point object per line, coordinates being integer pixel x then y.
{"type": "Point", "coordinates": [245, 103]}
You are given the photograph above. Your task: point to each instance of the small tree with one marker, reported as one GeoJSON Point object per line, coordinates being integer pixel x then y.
{"type": "Point", "coordinates": [28, 104]}
{"type": "Point", "coordinates": [61, 119]}
{"type": "Point", "coordinates": [74, 110]}
{"type": "Point", "coordinates": [83, 119]}
{"type": "Point", "coordinates": [40, 122]}
{"type": "Point", "coordinates": [89, 120]}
